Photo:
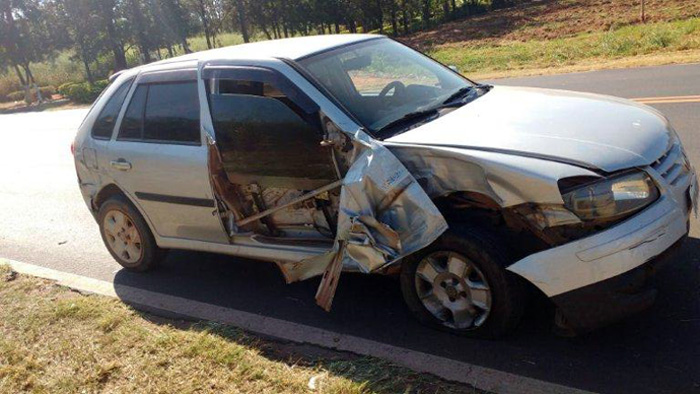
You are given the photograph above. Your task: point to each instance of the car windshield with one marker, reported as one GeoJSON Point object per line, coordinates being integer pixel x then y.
{"type": "Point", "coordinates": [381, 81]}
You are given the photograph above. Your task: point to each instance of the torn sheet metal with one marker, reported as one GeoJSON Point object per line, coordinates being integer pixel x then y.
{"type": "Point", "coordinates": [384, 215]}
{"type": "Point", "coordinates": [442, 172]}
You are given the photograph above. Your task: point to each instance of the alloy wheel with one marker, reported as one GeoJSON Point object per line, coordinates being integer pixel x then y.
{"type": "Point", "coordinates": [453, 289]}
{"type": "Point", "coordinates": [122, 236]}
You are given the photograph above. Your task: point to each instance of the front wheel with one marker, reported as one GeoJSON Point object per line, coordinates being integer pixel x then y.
{"type": "Point", "coordinates": [460, 284]}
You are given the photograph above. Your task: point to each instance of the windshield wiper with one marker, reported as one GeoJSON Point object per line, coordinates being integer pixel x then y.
{"type": "Point", "coordinates": [462, 92]}
{"type": "Point", "coordinates": [411, 117]}
{"type": "Point", "coordinates": [408, 118]}
{"type": "Point", "coordinates": [459, 93]}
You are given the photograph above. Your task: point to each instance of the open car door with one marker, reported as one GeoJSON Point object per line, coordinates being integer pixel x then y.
{"type": "Point", "coordinates": [281, 169]}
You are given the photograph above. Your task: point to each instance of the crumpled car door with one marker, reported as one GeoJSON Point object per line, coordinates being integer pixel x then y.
{"type": "Point", "coordinates": [384, 215]}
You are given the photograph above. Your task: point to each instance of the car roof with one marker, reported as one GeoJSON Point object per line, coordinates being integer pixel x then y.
{"type": "Point", "coordinates": [290, 48]}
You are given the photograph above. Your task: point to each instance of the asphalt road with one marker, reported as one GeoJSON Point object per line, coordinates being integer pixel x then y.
{"type": "Point", "coordinates": [44, 221]}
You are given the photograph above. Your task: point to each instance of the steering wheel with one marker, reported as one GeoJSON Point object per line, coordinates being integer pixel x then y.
{"type": "Point", "coordinates": [397, 86]}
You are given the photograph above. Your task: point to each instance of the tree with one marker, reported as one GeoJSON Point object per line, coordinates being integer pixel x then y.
{"type": "Point", "coordinates": [137, 15]}
{"type": "Point", "coordinates": [25, 37]}
{"type": "Point", "coordinates": [85, 37]}
{"type": "Point", "coordinates": [498, 4]}
{"type": "Point", "coordinates": [426, 13]}
{"type": "Point", "coordinates": [205, 11]}
{"type": "Point", "coordinates": [106, 12]}
{"type": "Point", "coordinates": [242, 22]}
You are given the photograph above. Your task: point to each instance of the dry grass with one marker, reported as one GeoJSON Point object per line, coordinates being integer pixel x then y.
{"type": "Point", "coordinates": [53, 340]}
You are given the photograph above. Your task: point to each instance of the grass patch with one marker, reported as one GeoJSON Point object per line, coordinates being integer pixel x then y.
{"type": "Point", "coordinates": [497, 57]}
{"type": "Point", "coordinates": [53, 340]}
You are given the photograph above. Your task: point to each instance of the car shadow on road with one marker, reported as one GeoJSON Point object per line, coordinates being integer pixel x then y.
{"type": "Point", "coordinates": [632, 352]}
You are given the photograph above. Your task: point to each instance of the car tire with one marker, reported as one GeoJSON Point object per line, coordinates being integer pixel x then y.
{"type": "Point", "coordinates": [481, 300]}
{"type": "Point", "coordinates": [127, 236]}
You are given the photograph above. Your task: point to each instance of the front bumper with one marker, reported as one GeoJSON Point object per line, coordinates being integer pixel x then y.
{"type": "Point", "coordinates": [600, 278]}
{"type": "Point", "coordinates": [612, 299]}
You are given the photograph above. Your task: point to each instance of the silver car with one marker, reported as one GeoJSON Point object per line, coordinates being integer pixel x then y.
{"type": "Point", "coordinates": [356, 153]}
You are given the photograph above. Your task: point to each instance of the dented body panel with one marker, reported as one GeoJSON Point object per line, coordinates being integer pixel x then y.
{"type": "Point", "coordinates": [608, 253]}
{"type": "Point", "coordinates": [384, 215]}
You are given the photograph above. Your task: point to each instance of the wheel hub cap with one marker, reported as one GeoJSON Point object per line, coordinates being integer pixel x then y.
{"type": "Point", "coordinates": [453, 289]}
{"type": "Point", "coordinates": [122, 236]}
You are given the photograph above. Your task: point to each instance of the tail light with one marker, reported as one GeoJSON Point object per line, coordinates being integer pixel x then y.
{"type": "Point", "coordinates": [72, 148]}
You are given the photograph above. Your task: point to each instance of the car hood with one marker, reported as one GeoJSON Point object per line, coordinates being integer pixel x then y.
{"type": "Point", "coordinates": [594, 131]}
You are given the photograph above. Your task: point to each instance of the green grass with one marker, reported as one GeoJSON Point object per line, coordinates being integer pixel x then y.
{"type": "Point", "coordinates": [624, 42]}
{"type": "Point", "coordinates": [53, 340]}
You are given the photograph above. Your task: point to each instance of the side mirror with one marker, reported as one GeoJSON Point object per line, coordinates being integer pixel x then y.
{"type": "Point", "coordinates": [453, 68]}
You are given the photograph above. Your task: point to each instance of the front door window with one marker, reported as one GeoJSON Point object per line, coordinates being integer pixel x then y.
{"type": "Point", "coordinates": [266, 138]}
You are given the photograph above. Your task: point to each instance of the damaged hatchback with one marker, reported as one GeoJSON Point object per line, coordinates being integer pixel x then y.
{"type": "Point", "coordinates": [356, 153]}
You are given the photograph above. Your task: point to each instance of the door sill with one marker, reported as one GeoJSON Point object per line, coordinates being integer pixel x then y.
{"type": "Point", "coordinates": [266, 240]}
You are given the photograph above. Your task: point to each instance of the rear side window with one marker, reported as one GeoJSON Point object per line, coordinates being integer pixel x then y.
{"type": "Point", "coordinates": [132, 124]}
{"type": "Point", "coordinates": [172, 113]}
{"type": "Point", "coordinates": [104, 125]}
{"type": "Point", "coordinates": [163, 112]}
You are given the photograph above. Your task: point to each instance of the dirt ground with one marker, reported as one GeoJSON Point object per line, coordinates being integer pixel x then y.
{"type": "Point", "coordinates": [549, 19]}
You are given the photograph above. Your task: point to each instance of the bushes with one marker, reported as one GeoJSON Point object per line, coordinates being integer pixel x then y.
{"type": "Point", "coordinates": [46, 93]}
{"type": "Point", "coordinates": [63, 88]}
{"type": "Point", "coordinates": [16, 96]}
{"type": "Point", "coordinates": [83, 92]}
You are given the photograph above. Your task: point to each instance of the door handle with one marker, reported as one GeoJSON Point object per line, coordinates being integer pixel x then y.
{"type": "Point", "coordinates": [120, 164]}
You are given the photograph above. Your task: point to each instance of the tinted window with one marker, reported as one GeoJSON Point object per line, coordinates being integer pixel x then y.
{"type": "Point", "coordinates": [261, 132]}
{"type": "Point", "coordinates": [172, 113]}
{"type": "Point", "coordinates": [104, 125]}
{"type": "Point", "coordinates": [132, 124]}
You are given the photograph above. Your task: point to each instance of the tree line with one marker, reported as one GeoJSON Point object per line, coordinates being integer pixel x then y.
{"type": "Point", "coordinates": [104, 35]}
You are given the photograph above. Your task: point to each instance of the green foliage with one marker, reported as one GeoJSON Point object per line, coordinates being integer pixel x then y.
{"type": "Point", "coordinates": [15, 96]}
{"type": "Point", "coordinates": [83, 92]}
{"type": "Point", "coordinates": [63, 88]}
{"type": "Point", "coordinates": [46, 92]}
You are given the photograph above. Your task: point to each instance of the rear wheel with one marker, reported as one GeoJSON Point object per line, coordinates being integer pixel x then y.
{"type": "Point", "coordinates": [460, 284]}
{"type": "Point", "coordinates": [126, 235]}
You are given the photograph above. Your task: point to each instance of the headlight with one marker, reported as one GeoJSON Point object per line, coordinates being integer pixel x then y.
{"type": "Point", "coordinates": [612, 198]}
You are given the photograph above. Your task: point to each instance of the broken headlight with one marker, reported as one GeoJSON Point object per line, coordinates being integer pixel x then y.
{"type": "Point", "coordinates": [612, 198]}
